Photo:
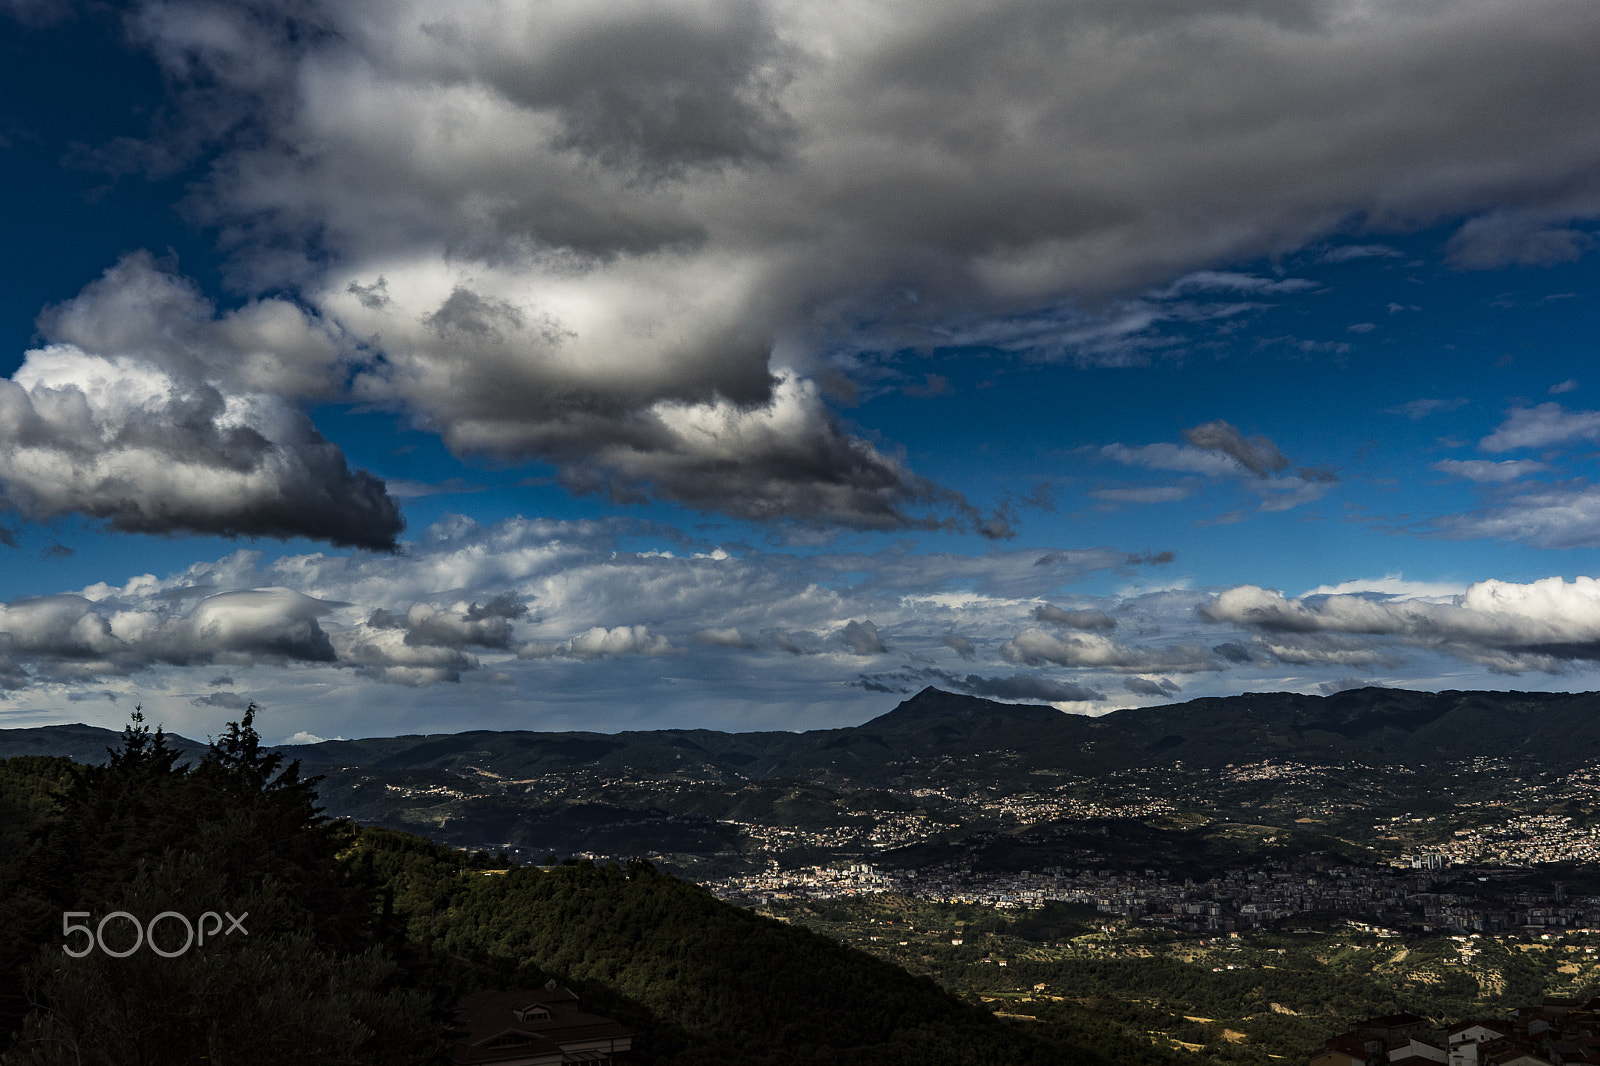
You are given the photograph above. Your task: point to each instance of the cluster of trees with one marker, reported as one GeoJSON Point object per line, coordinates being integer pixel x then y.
{"type": "Point", "coordinates": [306, 976]}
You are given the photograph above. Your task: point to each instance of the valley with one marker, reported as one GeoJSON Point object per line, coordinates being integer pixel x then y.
{"type": "Point", "coordinates": [1256, 996]}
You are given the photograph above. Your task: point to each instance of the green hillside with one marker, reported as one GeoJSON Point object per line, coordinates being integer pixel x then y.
{"type": "Point", "coordinates": [706, 982]}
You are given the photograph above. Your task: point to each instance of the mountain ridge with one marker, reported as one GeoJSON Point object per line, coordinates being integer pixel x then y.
{"type": "Point", "coordinates": [1369, 725]}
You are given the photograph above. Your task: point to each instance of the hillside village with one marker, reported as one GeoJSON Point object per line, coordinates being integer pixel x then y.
{"type": "Point", "coordinates": [1557, 1032]}
{"type": "Point", "coordinates": [1384, 896]}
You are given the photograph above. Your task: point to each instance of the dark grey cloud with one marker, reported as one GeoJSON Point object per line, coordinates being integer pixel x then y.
{"type": "Point", "coordinates": [486, 626]}
{"type": "Point", "coordinates": [507, 605]}
{"type": "Point", "coordinates": [961, 645]}
{"type": "Point", "coordinates": [12, 674]}
{"type": "Point", "coordinates": [873, 684]}
{"type": "Point", "coordinates": [786, 643]}
{"type": "Point", "coordinates": [426, 644]}
{"type": "Point", "coordinates": [1143, 686]}
{"type": "Point", "coordinates": [784, 459]}
{"type": "Point", "coordinates": [1078, 619]}
{"type": "Point", "coordinates": [1151, 558]}
{"type": "Point", "coordinates": [376, 654]}
{"type": "Point", "coordinates": [1257, 454]}
{"type": "Point", "coordinates": [861, 638]}
{"type": "Point", "coordinates": [657, 88]}
{"type": "Point", "coordinates": [1020, 687]}
{"type": "Point", "coordinates": [228, 701]}
{"type": "Point", "coordinates": [1217, 449]}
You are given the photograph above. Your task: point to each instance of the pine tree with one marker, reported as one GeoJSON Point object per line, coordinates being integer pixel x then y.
{"type": "Point", "coordinates": [305, 981]}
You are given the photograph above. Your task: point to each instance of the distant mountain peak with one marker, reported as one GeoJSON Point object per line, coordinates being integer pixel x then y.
{"type": "Point", "coordinates": [936, 703]}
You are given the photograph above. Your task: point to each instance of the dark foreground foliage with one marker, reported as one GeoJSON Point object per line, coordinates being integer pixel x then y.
{"type": "Point", "coordinates": [360, 941]}
{"type": "Point", "coordinates": [308, 979]}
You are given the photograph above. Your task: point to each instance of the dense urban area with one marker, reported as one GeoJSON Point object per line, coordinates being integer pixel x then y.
{"type": "Point", "coordinates": [1238, 899]}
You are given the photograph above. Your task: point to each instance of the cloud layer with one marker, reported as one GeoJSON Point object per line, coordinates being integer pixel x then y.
{"type": "Point", "coordinates": [478, 602]}
{"type": "Point", "coordinates": [540, 615]}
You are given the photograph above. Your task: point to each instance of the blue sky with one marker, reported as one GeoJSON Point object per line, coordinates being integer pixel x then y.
{"type": "Point", "coordinates": [417, 367]}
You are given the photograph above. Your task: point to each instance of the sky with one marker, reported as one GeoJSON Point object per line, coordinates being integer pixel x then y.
{"type": "Point", "coordinates": [412, 367]}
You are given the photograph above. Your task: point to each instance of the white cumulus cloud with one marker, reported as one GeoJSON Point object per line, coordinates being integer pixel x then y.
{"type": "Point", "coordinates": [1542, 625]}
